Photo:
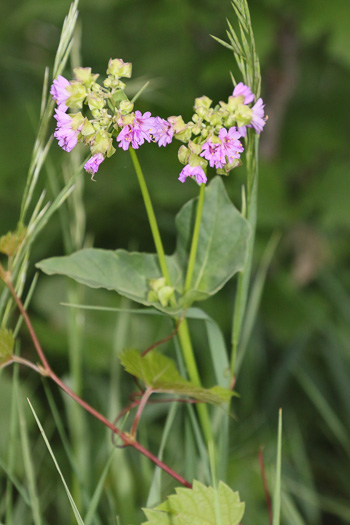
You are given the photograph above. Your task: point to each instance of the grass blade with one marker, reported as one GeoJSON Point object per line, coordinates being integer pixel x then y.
{"type": "Point", "coordinates": [277, 491]}
{"type": "Point", "coordinates": [71, 501]}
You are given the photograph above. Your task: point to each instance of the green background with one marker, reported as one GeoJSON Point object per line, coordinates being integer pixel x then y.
{"type": "Point", "coordinates": [299, 355]}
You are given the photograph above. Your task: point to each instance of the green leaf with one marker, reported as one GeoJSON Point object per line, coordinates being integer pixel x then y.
{"type": "Point", "coordinates": [222, 251]}
{"type": "Point", "coordinates": [222, 245]}
{"type": "Point", "coordinates": [160, 373]}
{"type": "Point", "coordinates": [6, 345]}
{"type": "Point", "coordinates": [200, 505]}
{"type": "Point", "coordinates": [127, 273]}
{"type": "Point", "coordinates": [10, 242]}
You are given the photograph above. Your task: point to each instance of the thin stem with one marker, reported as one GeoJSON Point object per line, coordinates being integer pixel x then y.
{"type": "Point", "coordinates": [151, 216]}
{"type": "Point", "coordinates": [127, 438]}
{"type": "Point", "coordinates": [191, 366]}
{"type": "Point", "coordinates": [195, 238]}
{"type": "Point", "coordinates": [265, 485]}
{"type": "Point", "coordinates": [244, 276]}
{"type": "Point", "coordinates": [146, 395]}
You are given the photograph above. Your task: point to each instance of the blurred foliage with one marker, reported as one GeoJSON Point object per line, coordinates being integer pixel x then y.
{"type": "Point", "coordinates": [299, 355]}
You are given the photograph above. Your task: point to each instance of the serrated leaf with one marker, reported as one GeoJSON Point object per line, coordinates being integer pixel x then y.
{"type": "Point", "coordinates": [200, 505]}
{"type": "Point", "coordinates": [160, 373]}
{"type": "Point", "coordinates": [10, 242]}
{"type": "Point", "coordinates": [7, 343]}
{"type": "Point", "coordinates": [222, 251]}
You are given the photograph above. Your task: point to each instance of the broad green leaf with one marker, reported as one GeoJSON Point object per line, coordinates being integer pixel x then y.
{"type": "Point", "coordinates": [200, 505]}
{"type": "Point", "coordinates": [222, 246]}
{"type": "Point", "coordinates": [160, 373]}
{"type": "Point", "coordinates": [6, 345]}
{"type": "Point", "coordinates": [222, 251]}
{"type": "Point", "coordinates": [129, 274]}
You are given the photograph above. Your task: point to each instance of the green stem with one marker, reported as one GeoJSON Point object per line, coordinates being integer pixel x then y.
{"type": "Point", "coordinates": [195, 238]}
{"type": "Point", "coordinates": [151, 216]}
{"type": "Point", "coordinates": [191, 366]}
{"type": "Point", "coordinates": [183, 331]}
{"type": "Point", "coordinates": [244, 276]}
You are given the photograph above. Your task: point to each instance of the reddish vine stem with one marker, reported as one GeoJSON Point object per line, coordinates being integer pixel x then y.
{"type": "Point", "coordinates": [165, 339]}
{"type": "Point", "coordinates": [128, 440]}
{"type": "Point", "coordinates": [265, 485]}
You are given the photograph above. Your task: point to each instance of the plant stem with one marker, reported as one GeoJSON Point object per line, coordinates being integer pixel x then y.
{"type": "Point", "coordinates": [151, 216]}
{"type": "Point", "coordinates": [195, 238]}
{"type": "Point", "coordinates": [191, 366]}
{"type": "Point", "coordinates": [183, 331]}
{"type": "Point", "coordinates": [244, 276]}
{"type": "Point", "coordinates": [126, 438]}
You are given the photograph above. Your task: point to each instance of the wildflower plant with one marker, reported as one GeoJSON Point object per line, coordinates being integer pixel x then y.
{"type": "Point", "coordinates": [214, 242]}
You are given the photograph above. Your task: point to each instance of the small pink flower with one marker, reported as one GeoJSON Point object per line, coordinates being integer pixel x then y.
{"type": "Point", "coordinates": [245, 91]}
{"type": "Point", "coordinates": [193, 171]}
{"type": "Point", "coordinates": [59, 92]}
{"type": "Point", "coordinates": [92, 165]}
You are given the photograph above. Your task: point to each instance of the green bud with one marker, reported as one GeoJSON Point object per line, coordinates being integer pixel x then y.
{"type": "Point", "coordinates": [78, 93]}
{"type": "Point", "coordinates": [126, 106]}
{"type": "Point", "coordinates": [165, 295]}
{"type": "Point", "coordinates": [243, 115]}
{"type": "Point", "coordinates": [95, 102]}
{"type": "Point", "coordinates": [214, 118]}
{"type": "Point", "coordinates": [107, 82]}
{"type": "Point", "coordinates": [183, 154]}
{"type": "Point", "coordinates": [194, 147]}
{"type": "Point", "coordinates": [177, 123]}
{"type": "Point", "coordinates": [234, 102]}
{"type": "Point", "coordinates": [202, 103]}
{"type": "Point", "coordinates": [111, 149]}
{"type": "Point", "coordinates": [184, 135]}
{"type": "Point", "coordinates": [152, 296]}
{"type": "Point", "coordinates": [225, 170]}
{"type": "Point", "coordinates": [157, 284]}
{"type": "Point", "coordinates": [196, 160]}
{"type": "Point", "coordinates": [118, 68]}
{"type": "Point", "coordinates": [84, 75]}
{"type": "Point", "coordinates": [77, 120]}
{"type": "Point", "coordinates": [101, 143]}
{"type": "Point", "coordinates": [87, 129]}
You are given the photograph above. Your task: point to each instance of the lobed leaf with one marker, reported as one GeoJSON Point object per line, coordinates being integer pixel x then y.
{"type": "Point", "coordinates": [200, 505]}
{"type": "Point", "coordinates": [160, 373]}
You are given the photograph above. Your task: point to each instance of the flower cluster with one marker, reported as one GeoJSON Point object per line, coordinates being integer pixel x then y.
{"type": "Point", "coordinates": [211, 137]}
{"type": "Point", "coordinates": [112, 115]}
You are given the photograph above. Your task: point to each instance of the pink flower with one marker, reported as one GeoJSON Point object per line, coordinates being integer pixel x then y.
{"type": "Point", "coordinates": [59, 92]}
{"type": "Point", "coordinates": [258, 120]}
{"type": "Point", "coordinates": [220, 153]}
{"type": "Point", "coordinates": [130, 135]}
{"type": "Point", "coordinates": [67, 136]}
{"type": "Point", "coordinates": [92, 165]}
{"type": "Point", "coordinates": [161, 131]}
{"type": "Point", "coordinates": [231, 146]}
{"type": "Point", "coordinates": [193, 171]}
{"type": "Point", "coordinates": [245, 91]}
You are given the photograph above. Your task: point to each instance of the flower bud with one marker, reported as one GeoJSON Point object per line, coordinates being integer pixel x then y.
{"type": "Point", "coordinates": [196, 160]}
{"type": "Point", "coordinates": [101, 143]}
{"type": "Point", "coordinates": [202, 103]}
{"type": "Point", "coordinates": [77, 121]}
{"type": "Point", "coordinates": [243, 115]}
{"type": "Point", "coordinates": [95, 102]}
{"type": "Point", "coordinates": [195, 148]}
{"type": "Point", "coordinates": [84, 75]}
{"type": "Point", "coordinates": [87, 129]}
{"type": "Point", "coordinates": [183, 154]}
{"type": "Point", "coordinates": [177, 123]}
{"type": "Point", "coordinates": [118, 68]}
{"type": "Point", "coordinates": [126, 107]}
{"type": "Point", "coordinates": [77, 95]}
